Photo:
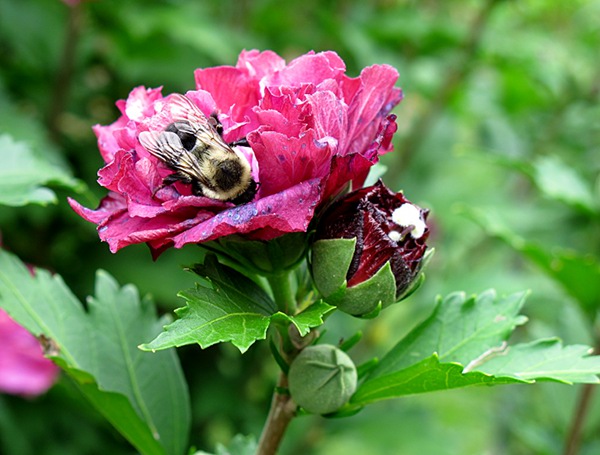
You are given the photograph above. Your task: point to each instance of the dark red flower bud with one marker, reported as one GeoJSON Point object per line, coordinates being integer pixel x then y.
{"type": "Point", "coordinates": [387, 228]}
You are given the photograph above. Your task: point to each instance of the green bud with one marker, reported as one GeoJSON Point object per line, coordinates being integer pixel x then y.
{"type": "Point", "coordinates": [322, 379]}
{"type": "Point", "coordinates": [369, 250]}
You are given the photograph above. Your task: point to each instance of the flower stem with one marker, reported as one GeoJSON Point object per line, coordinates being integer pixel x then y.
{"type": "Point", "coordinates": [581, 412]}
{"type": "Point", "coordinates": [64, 76]}
{"type": "Point", "coordinates": [283, 293]}
{"type": "Point", "coordinates": [582, 408]}
{"type": "Point", "coordinates": [283, 410]}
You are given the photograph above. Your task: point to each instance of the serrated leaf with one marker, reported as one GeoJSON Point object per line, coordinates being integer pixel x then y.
{"type": "Point", "coordinates": [309, 318]}
{"type": "Point", "coordinates": [23, 175]}
{"type": "Point", "coordinates": [462, 344]}
{"type": "Point", "coordinates": [212, 317]}
{"type": "Point", "coordinates": [545, 359]}
{"type": "Point", "coordinates": [143, 395]}
{"type": "Point", "coordinates": [577, 274]}
{"type": "Point", "coordinates": [426, 375]}
{"type": "Point", "coordinates": [459, 330]}
{"type": "Point", "coordinates": [234, 309]}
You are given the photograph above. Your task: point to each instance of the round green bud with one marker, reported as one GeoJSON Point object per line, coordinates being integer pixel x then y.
{"type": "Point", "coordinates": [322, 379]}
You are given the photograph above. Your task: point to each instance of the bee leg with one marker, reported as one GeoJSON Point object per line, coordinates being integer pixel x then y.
{"type": "Point", "coordinates": [168, 180]}
{"type": "Point", "coordinates": [243, 142]}
{"type": "Point", "coordinates": [218, 126]}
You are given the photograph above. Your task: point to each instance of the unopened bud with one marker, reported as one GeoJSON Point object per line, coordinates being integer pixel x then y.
{"type": "Point", "coordinates": [322, 379]}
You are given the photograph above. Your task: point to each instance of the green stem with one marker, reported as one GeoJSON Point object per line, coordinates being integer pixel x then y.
{"type": "Point", "coordinates": [581, 412]}
{"type": "Point", "coordinates": [283, 292]}
{"type": "Point", "coordinates": [283, 410]}
{"type": "Point", "coordinates": [64, 77]}
{"type": "Point", "coordinates": [582, 408]}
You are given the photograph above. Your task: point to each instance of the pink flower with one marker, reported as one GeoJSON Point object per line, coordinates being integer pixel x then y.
{"type": "Point", "coordinates": [310, 127]}
{"type": "Point", "coordinates": [23, 368]}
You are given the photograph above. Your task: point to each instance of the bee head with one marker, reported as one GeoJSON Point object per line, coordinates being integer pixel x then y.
{"type": "Point", "coordinates": [248, 195]}
{"type": "Point", "coordinates": [185, 133]}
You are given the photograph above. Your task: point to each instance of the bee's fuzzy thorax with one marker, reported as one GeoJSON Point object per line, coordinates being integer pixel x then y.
{"type": "Point", "coordinates": [192, 147]}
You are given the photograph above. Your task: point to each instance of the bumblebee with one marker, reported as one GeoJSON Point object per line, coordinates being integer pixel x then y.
{"type": "Point", "coordinates": [194, 148]}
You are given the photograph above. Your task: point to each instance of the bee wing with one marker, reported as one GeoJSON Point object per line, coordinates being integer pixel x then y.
{"type": "Point", "coordinates": [164, 148]}
{"type": "Point", "coordinates": [182, 108]}
{"type": "Point", "coordinates": [167, 147]}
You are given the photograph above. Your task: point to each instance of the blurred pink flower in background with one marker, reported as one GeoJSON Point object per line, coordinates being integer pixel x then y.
{"type": "Point", "coordinates": [23, 368]}
{"type": "Point", "coordinates": [312, 130]}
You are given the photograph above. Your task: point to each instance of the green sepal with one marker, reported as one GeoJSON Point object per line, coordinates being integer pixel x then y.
{"type": "Point", "coordinates": [262, 257]}
{"type": "Point", "coordinates": [283, 365]}
{"type": "Point", "coordinates": [365, 368]}
{"type": "Point", "coordinates": [330, 261]}
{"type": "Point", "coordinates": [351, 342]}
{"type": "Point", "coordinates": [366, 299]}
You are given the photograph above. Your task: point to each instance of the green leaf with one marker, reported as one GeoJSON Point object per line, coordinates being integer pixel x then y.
{"type": "Point", "coordinates": [239, 445]}
{"type": "Point", "coordinates": [23, 175]}
{"type": "Point", "coordinates": [309, 318]}
{"type": "Point", "coordinates": [427, 375]}
{"type": "Point", "coordinates": [558, 181]}
{"type": "Point", "coordinates": [576, 273]}
{"type": "Point", "coordinates": [460, 329]}
{"type": "Point", "coordinates": [554, 179]}
{"type": "Point", "coordinates": [462, 344]}
{"type": "Point", "coordinates": [234, 309]}
{"type": "Point", "coordinates": [143, 395]}
{"type": "Point", "coordinates": [545, 359]}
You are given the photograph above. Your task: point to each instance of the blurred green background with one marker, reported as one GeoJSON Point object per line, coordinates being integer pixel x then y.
{"type": "Point", "coordinates": [500, 126]}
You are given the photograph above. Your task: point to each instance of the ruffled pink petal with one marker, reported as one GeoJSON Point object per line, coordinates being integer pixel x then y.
{"type": "Point", "coordinates": [123, 230]}
{"type": "Point", "coordinates": [258, 64]}
{"type": "Point", "coordinates": [308, 69]}
{"type": "Point", "coordinates": [112, 205]}
{"type": "Point", "coordinates": [286, 161]}
{"type": "Point", "coordinates": [23, 368]}
{"type": "Point", "coordinates": [329, 117]}
{"type": "Point", "coordinates": [288, 211]}
{"type": "Point", "coordinates": [140, 103]}
{"type": "Point", "coordinates": [107, 141]}
{"type": "Point", "coordinates": [374, 99]}
{"type": "Point", "coordinates": [231, 88]}
{"type": "Point", "coordinates": [282, 112]}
